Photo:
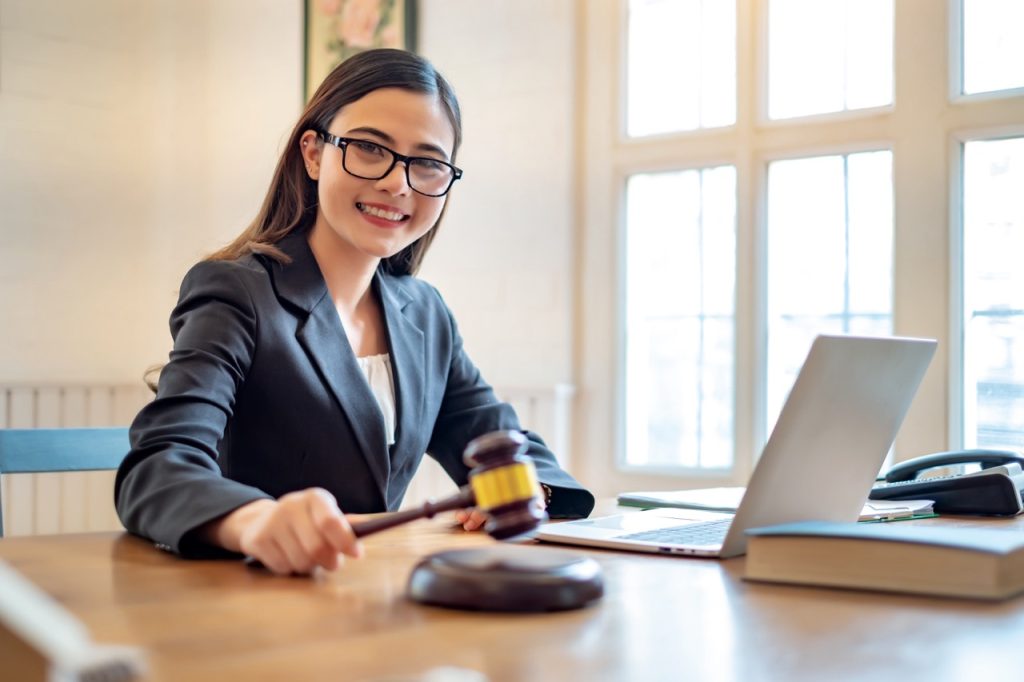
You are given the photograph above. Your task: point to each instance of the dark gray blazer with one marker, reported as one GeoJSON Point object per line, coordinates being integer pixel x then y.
{"type": "Point", "coordinates": [262, 395]}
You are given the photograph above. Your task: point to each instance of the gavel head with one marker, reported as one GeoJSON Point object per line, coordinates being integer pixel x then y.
{"type": "Point", "coordinates": [504, 483]}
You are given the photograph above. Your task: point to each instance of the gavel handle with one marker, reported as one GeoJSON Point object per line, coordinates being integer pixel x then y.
{"type": "Point", "coordinates": [461, 500]}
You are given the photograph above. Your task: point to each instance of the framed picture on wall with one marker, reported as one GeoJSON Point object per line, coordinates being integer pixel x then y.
{"type": "Point", "coordinates": [338, 29]}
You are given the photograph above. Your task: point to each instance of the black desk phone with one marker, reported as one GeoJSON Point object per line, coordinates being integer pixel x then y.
{"type": "Point", "coordinates": [993, 490]}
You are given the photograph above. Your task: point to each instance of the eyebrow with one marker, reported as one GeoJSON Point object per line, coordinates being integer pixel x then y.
{"type": "Point", "coordinates": [423, 146]}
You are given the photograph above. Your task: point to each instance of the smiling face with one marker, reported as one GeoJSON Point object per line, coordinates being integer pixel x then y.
{"type": "Point", "coordinates": [374, 219]}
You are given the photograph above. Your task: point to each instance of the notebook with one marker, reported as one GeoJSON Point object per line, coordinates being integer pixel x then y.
{"type": "Point", "coordinates": [819, 463]}
{"type": "Point", "coordinates": [728, 500]}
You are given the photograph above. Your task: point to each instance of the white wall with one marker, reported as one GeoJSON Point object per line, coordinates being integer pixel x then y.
{"type": "Point", "coordinates": [138, 135]}
{"type": "Point", "coordinates": [134, 137]}
{"type": "Point", "coordinates": [504, 257]}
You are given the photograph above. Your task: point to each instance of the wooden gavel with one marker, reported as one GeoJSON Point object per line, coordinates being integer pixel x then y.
{"type": "Point", "coordinates": [502, 482]}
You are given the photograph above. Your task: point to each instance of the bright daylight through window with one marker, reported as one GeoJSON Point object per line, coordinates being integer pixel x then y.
{"type": "Point", "coordinates": [845, 62]}
{"type": "Point", "coordinates": [681, 65]}
{"type": "Point", "coordinates": [785, 168]}
{"type": "Point", "coordinates": [993, 45]}
{"type": "Point", "coordinates": [993, 326]}
{"type": "Point", "coordinates": [830, 257]}
{"type": "Point", "coordinates": [680, 327]}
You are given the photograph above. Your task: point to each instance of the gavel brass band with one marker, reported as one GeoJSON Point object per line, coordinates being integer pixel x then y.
{"type": "Point", "coordinates": [511, 483]}
{"type": "Point", "coordinates": [502, 482]}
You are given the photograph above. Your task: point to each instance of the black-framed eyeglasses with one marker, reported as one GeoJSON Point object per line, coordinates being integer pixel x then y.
{"type": "Point", "coordinates": [372, 161]}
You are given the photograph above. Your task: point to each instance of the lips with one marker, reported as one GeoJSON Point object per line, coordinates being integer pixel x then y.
{"type": "Point", "coordinates": [382, 212]}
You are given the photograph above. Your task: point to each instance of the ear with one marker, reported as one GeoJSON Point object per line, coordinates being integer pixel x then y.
{"type": "Point", "coordinates": [312, 148]}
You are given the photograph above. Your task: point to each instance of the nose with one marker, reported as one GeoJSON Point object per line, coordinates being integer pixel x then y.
{"type": "Point", "coordinates": [395, 183]}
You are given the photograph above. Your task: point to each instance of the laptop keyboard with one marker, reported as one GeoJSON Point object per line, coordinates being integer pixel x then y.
{"type": "Point", "coordinates": [702, 533]}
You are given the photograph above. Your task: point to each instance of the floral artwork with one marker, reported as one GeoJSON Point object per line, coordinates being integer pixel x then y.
{"type": "Point", "coordinates": [337, 29]}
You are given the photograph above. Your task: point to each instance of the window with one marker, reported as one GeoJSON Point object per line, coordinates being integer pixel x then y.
{"type": "Point", "coordinates": [836, 223]}
{"type": "Point", "coordinates": [828, 55]}
{"type": "Point", "coordinates": [680, 304]}
{"type": "Point", "coordinates": [830, 235]}
{"type": "Point", "coordinates": [682, 65]}
{"type": "Point", "coordinates": [992, 45]}
{"type": "Point", "coordinates": [993, 274]}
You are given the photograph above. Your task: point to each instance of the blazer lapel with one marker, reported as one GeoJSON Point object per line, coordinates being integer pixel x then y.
{"type": "Point", "coordinates": [324, 340]}
{"type": "Point", "coordinates": [408, 362]}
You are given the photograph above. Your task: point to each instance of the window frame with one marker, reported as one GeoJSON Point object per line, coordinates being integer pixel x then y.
{"type": "Point", "coordinates": [956, 63]}
{"type": "Point", "coordinates": [920, 129]}
{"type": "Point", "coordinates": [958, 140]}
{"type": "Point", "coordinates": [701, 473]}
{"type": "Point", "coordinates": [763, 119]}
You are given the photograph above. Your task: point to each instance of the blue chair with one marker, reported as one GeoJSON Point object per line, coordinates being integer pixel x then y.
{"type": "Point", "coordinates": [38, 451]}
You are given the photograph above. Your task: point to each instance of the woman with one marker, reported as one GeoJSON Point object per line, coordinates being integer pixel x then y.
{"type": "Point", "coordinates": [310, 369]}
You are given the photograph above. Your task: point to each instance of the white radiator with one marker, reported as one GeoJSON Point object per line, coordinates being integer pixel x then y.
{"type": "Point", "coordinates": [35, 504]}
{"type": "Point", "coordinates": [64, 503]}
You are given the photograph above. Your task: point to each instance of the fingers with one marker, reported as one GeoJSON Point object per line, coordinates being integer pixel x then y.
{"type": "Point", "coordinates": [271, 556]}
{"type": "Point", "coordinates": [297, 558]}
{"type": "Point", "coordinates": [331, 526]}
{"type": "Point", "coordinates": [309, 548]}
{"type": "Point", "coordinates": [302, 531]}
{"type": "Point", "coordinates": [470, 519]}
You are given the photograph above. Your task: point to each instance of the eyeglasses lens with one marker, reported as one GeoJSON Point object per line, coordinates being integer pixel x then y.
{"type": "Point", "coordinates": [371, 161]}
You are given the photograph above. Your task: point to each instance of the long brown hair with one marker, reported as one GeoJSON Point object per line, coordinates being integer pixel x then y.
{"type": "Point", "coordinates": [291, 200]}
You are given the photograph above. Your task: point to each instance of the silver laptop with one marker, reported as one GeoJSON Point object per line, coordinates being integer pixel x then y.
{"type": "Point", "coordinates": [820, 462]}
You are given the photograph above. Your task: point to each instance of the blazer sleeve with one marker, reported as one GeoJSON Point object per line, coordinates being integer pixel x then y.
{"type": "Point", "coordinates": [470, 409]}
{"type": "Point", "coordinates": [170, 483]}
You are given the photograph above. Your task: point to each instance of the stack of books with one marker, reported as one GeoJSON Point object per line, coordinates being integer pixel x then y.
{"type": "Point", "coordinates": [938, 560]}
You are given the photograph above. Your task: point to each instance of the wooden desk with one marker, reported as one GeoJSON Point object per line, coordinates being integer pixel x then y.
{"type": "Point", "coordinates": [662, 618]}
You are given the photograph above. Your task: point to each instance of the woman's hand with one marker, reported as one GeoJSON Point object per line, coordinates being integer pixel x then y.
{"type": "Point", "coordinates": [470, 519]}
{"type": "Point", "coordinates": [473, 519]}
{"type": "Point", "coordinates": [295, 534]}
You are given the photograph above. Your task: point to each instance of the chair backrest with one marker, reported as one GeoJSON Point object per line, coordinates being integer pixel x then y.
{"type": "Point", "coordinates": [36, 451]}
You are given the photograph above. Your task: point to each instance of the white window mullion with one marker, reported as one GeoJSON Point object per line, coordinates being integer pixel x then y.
{"type": "Point", "coordinates": [904, 108]}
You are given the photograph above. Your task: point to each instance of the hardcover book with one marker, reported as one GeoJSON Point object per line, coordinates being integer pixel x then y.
{"type": "Point", "coordinates": [949, 561]}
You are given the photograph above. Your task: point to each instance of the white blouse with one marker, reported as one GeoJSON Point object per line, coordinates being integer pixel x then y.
{"type": "Point", "coordinates": [377, 370]}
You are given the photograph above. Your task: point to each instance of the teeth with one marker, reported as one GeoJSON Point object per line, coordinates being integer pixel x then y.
{"type": "Point", "coordinates": [380, 213]}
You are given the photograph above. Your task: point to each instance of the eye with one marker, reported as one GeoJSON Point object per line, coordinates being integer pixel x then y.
{"type": "Point", "coordinates": [429, 166]}
{"type": "Point", "coordinates": [367, 148]}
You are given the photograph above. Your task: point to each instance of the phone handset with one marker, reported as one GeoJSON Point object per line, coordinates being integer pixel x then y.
{"type": "Point", "coordinates": [908, 470]}
{"type": "Point", "coordinates": [995, 490]}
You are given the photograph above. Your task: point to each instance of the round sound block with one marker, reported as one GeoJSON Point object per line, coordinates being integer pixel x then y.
{"type": "Point", "coordinates": [506, 578]}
